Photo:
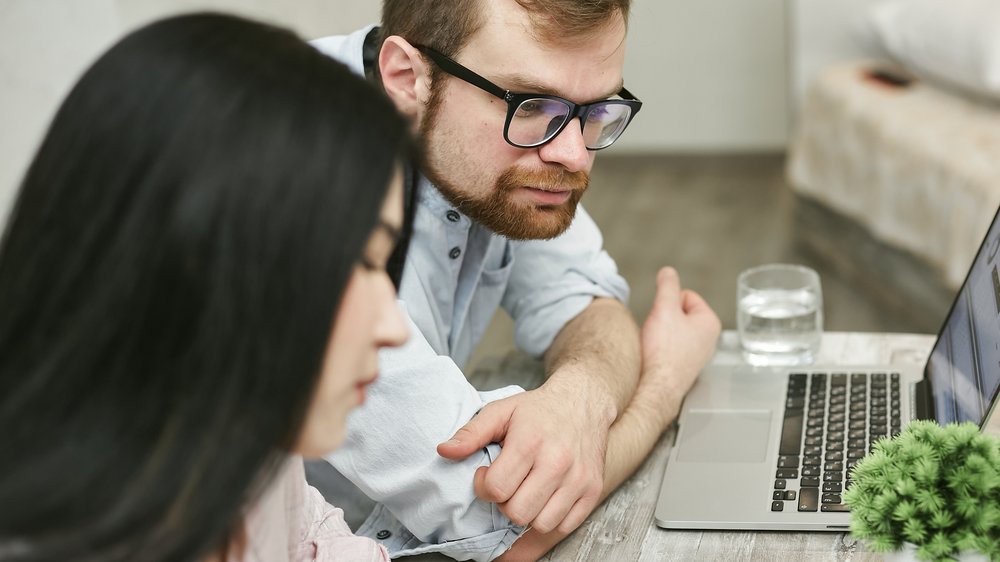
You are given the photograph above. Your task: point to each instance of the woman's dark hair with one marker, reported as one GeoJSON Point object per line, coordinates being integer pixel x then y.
{"type": "Point", "coordinates": [168, 282]}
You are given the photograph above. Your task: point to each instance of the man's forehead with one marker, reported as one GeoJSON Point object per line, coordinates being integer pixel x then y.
{"type": "Point", "coordinates": [508, 51]}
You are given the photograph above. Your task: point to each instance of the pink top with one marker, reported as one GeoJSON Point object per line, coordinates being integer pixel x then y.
{"type": "Point", "coordinates": [293, 523]}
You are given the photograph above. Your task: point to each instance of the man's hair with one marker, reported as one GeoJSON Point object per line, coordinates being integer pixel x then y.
{"type": "Point", "coordinates": [447, 26]}
{"type": "Point", "coordinates": [168, 280]}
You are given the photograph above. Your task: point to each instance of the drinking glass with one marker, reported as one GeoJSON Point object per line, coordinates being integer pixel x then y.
{"type": "Point", "coordinates": [779, 314]}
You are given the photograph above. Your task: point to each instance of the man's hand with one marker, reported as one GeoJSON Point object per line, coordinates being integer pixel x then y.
{"type": "Point", "coordinates": [678, 339]}
{"type": "Point", "coordinates": [550, 473]}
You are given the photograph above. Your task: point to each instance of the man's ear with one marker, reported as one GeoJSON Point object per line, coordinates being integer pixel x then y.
{"type": "Point", "coordinates": [405, 76]}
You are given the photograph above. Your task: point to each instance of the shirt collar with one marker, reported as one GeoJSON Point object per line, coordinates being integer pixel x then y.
{"type": "Point", "coordinates": [430, 198]}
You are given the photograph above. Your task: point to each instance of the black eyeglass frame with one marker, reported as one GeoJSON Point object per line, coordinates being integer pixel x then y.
{"type": "Point", "coordinates": [514, 100]}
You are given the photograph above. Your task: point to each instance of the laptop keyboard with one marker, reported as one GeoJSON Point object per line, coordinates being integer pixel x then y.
{"type": "Point", "coordinates": [831, 421]}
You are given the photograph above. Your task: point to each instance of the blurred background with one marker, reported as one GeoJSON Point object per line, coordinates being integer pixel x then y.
{"type": "Point", "coordinates": [860, 137]}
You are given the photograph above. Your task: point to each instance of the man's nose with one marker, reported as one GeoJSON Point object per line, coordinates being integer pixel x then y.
{"type": "Point", "coordinates": [567, 148]}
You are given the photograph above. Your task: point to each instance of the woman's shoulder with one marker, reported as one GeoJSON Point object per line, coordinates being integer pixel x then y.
{"type": "Point", "coordinates": [292, 521]}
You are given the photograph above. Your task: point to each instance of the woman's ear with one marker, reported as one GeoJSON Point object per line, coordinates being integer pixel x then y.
{"type": "Point", "coordinates": [405, 76]}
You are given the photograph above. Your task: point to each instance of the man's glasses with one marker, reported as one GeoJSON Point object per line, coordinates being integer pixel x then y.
{"type": "Point", "coordinates": [535, 119]}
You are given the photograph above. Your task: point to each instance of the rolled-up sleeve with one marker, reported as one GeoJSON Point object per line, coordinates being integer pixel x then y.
{"type": "Point", "coordinates": [426, 502]}
{"type": "Point", "coordinates": [554, 280]}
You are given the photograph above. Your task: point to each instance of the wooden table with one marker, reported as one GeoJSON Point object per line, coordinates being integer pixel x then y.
{"type": "Point", "coordinates": [622, 528]}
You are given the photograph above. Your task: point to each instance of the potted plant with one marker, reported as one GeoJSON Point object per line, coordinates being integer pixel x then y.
{"type": "Point", "coordinates": [935, 487]}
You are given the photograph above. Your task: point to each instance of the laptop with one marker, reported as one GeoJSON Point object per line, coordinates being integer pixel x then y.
{"type": "Point", "coordinates": [772, 448]}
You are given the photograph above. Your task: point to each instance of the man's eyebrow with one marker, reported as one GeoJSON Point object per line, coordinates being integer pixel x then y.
{"type": "Point", "coordinates": [522, 84]}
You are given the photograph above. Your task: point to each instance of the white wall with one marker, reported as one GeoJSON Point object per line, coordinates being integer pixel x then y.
{"type": "Point", "coordinates": [824, 32]}
{"type": "Point", "coordinates": [712, 73]}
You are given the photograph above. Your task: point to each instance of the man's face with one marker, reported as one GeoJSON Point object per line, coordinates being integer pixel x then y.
{"type": "Point", "coordinates": [519, 193]}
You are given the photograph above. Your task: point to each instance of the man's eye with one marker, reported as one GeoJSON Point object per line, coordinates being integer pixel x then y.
{"type": "Point", "coordinates": [598, 114]}
{"type": "Point", "coordinates": [529, 108]}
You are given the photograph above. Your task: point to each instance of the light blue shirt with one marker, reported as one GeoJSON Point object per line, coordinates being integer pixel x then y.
{"type": "Point", "coordinates": [457, 274]}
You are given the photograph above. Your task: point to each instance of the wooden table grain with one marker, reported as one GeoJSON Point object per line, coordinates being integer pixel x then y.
{"type": "Point", "coordinates": [622, 528]}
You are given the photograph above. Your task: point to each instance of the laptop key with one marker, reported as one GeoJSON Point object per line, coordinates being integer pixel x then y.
{"type": "Point", "coordinates": [790, 495]}
{"type": "Point", "coordinates": [810, 471]}
{"type": "Point", "coordinates": [831, 498]}
{"type": "Point", "coordinates": [787, 473]}
{"type": "Point", "coordinates": [834, 507]}
{"type": "Point", "coordinates": [832, 487]}
{"type": "Point", "coordinates": [791, 433]}
{"type": "Point", "coordinates": [834, 466]}
{"type": "Point", "coordinates": [809, 482]}
{"type": "Point", "coordinates": [778, 506]}
{"type": "Point", "coordinates": [808, 499]}
{"type": "Point", "coordinates": [778, 495]}
{"type": "Point", "coordinates": [779, 484]}
{"type": "Point", "coordinates": [787, 461]}
{"type": "Point", "coordinates": [811, 461]}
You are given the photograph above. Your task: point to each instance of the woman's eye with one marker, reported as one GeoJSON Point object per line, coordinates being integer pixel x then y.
{"type": "Point", "coordinates": [368, 265]}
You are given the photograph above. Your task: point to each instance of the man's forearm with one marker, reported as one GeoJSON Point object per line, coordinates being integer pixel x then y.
{"type": "Point", "coordinates": [599, 348]}
{"type": "Point", "coordinates": [630, 441]}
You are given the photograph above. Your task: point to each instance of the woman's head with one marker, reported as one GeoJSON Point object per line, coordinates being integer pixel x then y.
{"type": "Point", "coordinates": [200, 212]}
{"type": "Point", "coordinates": [368, 319]}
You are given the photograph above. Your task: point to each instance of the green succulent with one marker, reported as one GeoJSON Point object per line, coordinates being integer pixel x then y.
{"type": "Point", "coordinates": [935, 486]}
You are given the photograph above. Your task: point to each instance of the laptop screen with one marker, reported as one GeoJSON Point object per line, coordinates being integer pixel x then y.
{"type": "Point", "coordinates": [964, 366]}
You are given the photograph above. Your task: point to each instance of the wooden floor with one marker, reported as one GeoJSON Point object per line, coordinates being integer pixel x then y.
{"type": "Point", "coordinates": [714, 216]}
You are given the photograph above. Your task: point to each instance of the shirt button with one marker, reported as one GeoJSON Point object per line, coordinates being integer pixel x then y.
{"type": "Point", "coordinates": [382, 535]}
{"type": "Point", "coordinates": [455, 252]}
{"type": "Point", "coordinates": [453, 216]}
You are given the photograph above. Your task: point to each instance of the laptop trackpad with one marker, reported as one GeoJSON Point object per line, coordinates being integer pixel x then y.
{"type": "Point", "coordinates": [725, 436]}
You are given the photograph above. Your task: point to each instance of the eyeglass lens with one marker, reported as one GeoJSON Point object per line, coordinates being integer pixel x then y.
{"type": "Point", "coordinates": [536, 120]}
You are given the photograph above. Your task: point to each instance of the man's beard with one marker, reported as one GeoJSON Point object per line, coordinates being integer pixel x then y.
{"type": "Point", "coordinates": [497, 210]}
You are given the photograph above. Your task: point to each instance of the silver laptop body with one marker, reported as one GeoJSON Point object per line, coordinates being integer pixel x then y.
{"type": "Point", "coordinates": [726, 466]}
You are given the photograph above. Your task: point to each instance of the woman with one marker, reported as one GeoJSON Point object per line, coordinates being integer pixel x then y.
{"type": "Point", "coordinates": [210, 197]}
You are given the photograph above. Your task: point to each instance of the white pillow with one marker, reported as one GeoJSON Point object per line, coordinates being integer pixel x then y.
{"type": "Point", "coordinates": [955, 41]}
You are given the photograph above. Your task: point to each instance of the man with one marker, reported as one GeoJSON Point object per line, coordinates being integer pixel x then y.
{"type": "Point", "coordinates": [494, 88]}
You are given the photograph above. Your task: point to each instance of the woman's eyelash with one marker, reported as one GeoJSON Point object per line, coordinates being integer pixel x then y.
{"type": "Point", "coordinates": [368, 264]}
